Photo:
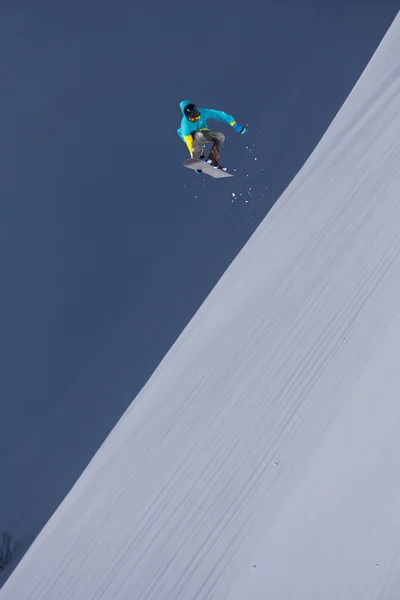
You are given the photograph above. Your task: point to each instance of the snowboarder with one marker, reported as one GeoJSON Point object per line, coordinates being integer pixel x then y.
{"type": "Point", "coordinates": [195, 133]}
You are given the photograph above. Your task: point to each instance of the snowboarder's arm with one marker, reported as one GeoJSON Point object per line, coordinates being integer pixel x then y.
{"type": "Point", "coordinates": [220, 115]}
{"type": "Point", "coordinates": [239, 128]}
{"type": "Point", "coordinates": [188, 139]}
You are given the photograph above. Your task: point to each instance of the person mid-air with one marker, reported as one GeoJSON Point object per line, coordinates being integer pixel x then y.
{"type": "Point", "coordinates": [195, 132]}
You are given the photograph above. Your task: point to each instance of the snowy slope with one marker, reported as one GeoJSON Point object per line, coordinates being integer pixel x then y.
{"type": "Point", "coordinates": [262, 459]}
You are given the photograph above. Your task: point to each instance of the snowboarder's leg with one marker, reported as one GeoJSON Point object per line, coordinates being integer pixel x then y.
{"type": "Point", "coordinates": [218, 140]}
{"type": "Point", "coordinates": [214, 155]}
{"type": "Point", "coordinates": [198, 141]}
{"type": "Point", "coordinates": [204, 136]}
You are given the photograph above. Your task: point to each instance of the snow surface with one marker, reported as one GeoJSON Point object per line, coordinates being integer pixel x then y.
{"type": "Point", "coordinates": [262, 458]}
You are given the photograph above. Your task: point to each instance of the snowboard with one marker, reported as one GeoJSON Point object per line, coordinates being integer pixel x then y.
{"type": "Point", "coordinates": [200, 165]}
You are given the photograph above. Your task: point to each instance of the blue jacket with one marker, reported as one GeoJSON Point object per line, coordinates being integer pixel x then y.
{"type": "Point", "coordinates": [187, 127]}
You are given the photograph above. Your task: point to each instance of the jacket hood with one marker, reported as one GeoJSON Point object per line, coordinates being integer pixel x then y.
{"type": "Point", "coordinates": [183, 104]}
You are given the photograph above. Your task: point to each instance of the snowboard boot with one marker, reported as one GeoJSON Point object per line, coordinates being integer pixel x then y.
{"type": "Point", "coordinates": [216, 165]}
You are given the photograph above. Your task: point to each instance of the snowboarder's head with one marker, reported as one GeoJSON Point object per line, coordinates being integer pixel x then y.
{"type": "Point", "coordinates": [192, 113]}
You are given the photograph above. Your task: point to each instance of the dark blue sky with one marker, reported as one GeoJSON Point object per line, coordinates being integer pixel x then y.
{"type": "Point", "coordinates": [108, 245]}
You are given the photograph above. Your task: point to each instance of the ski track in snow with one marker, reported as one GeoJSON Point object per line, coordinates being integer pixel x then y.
{"type": "Point", "coordinates": [262, 458]}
